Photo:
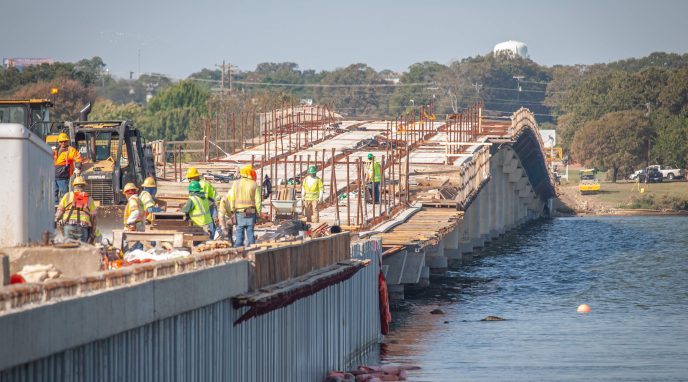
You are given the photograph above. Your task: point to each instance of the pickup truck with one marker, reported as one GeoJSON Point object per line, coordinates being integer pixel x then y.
{"type": "Point", "coordinates": [668, 173]}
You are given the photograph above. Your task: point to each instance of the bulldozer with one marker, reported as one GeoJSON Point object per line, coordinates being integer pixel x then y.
{"type": "Point", "coordinates": [113, 153]}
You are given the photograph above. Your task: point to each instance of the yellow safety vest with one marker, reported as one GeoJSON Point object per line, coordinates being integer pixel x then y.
{"type": "Point", "coordinates": [147, 200]}
{"type": "Point", "coordinates": [76, 216]}
{"type": "Point", "coordinates": [312, 187]}
{"type": "Point", "coordinates": [208, 189]}
{"type": "Point", "coordinates": [200, 213]}
{"type": "Point", "coordinates": [134, 204]}
{"type": "Point", "coordinates": [374, 171]}
{"type": "Point", "coordinates": [245, 194]}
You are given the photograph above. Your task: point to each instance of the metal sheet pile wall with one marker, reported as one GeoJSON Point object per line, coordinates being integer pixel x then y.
{"type": "Point", "coordinates": [328, 330]}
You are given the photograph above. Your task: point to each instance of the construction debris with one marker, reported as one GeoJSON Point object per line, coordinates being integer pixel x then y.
{"type": "Point", "coordinates": [39, 272]}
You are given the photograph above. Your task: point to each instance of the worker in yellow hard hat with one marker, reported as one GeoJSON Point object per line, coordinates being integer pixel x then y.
{"type": "Point", "coordinates": [147, 197]}
{"type": "Point", "coordinates": [76, 212]}
{"type": "Point", "coordinates": [244, 201]}
{"type": "Point", "coordinates": [67, 161]}
{"type": "Point", "coordinates": [210, 195]}
{"type": "Point", "coordinates": [134, 213]}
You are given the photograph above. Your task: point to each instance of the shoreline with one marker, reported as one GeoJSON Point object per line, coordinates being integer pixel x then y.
{"type": "Point", "coordinates": [624, 212]}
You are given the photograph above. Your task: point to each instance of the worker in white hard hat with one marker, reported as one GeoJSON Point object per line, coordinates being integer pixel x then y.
{"type": "Point", "coordinates": [134, 213]}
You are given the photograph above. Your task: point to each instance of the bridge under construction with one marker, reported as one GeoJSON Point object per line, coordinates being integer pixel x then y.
{"type": "Point", "coordinates": [294, 307]}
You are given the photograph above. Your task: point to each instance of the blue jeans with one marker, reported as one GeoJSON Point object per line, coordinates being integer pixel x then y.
{"type": "Point", "coordinates": [76, 232]}
{"type": "Point", "coordinates": [244, 223]}
{"type": "Point", "coordinates": [61, 188]}
{"type": "Point", "coordinates": [375, 191]}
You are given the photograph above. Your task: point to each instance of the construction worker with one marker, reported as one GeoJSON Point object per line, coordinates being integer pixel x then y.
{"type": "Point", "coordinates": [210, 195]}
{"type": "Point", "coordinates": [147, 197]}
{"type": "Point", "coordinates": [245, 202]}
{"type": "Point", "coordinates": [134, 213]}
{"type": "Point", "coordinates": [197, 207]}
{"type": "Point", "coordinates": [312, 192]}
{"type": "Point", "coordinates": [227, 218]}
{"type": "Point", "coordinates": [67, 161]}
{"type": "Point", "coordinates": [373, 177]}
{"type": "Point", "coordinates": [77, 213]}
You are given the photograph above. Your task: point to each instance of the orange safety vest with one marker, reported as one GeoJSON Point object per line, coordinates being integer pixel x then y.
{"type": "Point", "coordinates": [66, 157]}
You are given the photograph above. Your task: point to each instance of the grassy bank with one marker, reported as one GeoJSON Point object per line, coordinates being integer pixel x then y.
{"type": "Point", "coordinates": [657, 196]}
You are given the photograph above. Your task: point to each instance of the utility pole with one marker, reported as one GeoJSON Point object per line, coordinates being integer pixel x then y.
{"type": "Point", "coordinates": [518, 83]}
{"type": "Point", "coordinates": [222, 78]}
{"type": "Point", "coordinates": [477, 86]}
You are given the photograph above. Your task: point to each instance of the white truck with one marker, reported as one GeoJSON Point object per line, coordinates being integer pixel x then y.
{"type": "Point", "coordinates": [668, 173]}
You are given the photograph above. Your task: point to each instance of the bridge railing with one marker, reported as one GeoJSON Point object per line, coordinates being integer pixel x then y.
{"type": "Point", "coordinates": [522, 120]}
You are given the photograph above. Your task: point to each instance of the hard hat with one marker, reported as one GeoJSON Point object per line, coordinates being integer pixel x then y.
{"type": "Point", "coordinates": [312, 170]}
{"type": "Point", "coordinates": [371, 156]}
{"type": "Point", "coordinates": [149, 182]}
{"type": "Point", "coordinates": [192, 173]}
{"type": "Point", "coordinates": [62, 137]}
{"type": "Point", "coordinates": [129, 187]}
{"type": "Point", "coordinates": [194, 186]}
{"type": "Point", "coordinates": [79, 181]}
{"type": "Point", "coordinates": [246, 171]}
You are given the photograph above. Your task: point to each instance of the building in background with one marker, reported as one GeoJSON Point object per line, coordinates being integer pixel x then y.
{"type": "Point", "coordinates": [21, 63]}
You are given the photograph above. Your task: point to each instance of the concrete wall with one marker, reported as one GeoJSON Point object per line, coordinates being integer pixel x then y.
{"type": "Point", "coordinates": [181, 328]}
{"type": "Point", "coordinates": [26, 207]}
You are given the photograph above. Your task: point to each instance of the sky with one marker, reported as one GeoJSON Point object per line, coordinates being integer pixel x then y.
{"type": "Point", "coordinates": [177, 37]}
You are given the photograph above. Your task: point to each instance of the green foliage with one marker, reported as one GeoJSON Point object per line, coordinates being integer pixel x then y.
{"type": "Point", "coordinates": [175, 112]}
{"type": "Point", "coordinates": [425, 72]}
{"type": "Point", "coordinates": [617, 140]}
{"type": "Point", "coordinates": [361, 100]}
{"type": "Point", "coordinates": [106, 110]}
{"type": "Point", "coordinates": [664, 202]}
{"type": "Point", "coordinates": [670, 147]}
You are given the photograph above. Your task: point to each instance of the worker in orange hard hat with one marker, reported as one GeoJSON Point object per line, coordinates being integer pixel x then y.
{"type": "Point", "coordinates": [67, 161]}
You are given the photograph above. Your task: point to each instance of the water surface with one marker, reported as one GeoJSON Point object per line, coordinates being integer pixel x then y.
{"type": "Point", "coordinates": [632, 271]}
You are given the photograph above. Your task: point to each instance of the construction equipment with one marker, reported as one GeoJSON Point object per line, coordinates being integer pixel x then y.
{"type": "Point", "coordinates": [32, 113]}
{"type": "Point", "coordinates": [113, 154]}
{"type": "Point", "coordinates": [588, 183]}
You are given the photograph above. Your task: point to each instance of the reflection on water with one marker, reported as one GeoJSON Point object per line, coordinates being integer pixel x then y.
{"type": "Point", "coordinates": [631, 271]}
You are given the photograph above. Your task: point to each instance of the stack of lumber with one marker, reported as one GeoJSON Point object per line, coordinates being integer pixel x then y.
{"type": "Point", "coordinates": [285, 192]}
{"type": "Point", "coordinates": [426, 227]}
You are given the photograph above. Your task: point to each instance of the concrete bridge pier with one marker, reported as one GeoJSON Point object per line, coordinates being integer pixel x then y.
{"type": "Point", "coordinates": [452, 247]}
{"type": "Point", "coordinates": [435, 259]}
{"type": "Point", "coordinates": [486, 213]}
{"type": "Point", "coordinates": [465, 236]}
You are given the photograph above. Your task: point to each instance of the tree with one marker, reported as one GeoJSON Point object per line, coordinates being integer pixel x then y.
{"type": "Point", "coordinates": [106, 110]}
{"type": "Point", "coordinates": [617, 140]}
{"type": "Point", "coordinates": [425, 72]}
{"type": "Point", "coordinates": [175, 111]}
{"type": "Point", "coordinates": [671, 146]}
{"type": "Point", "coordinates": [72, 97]}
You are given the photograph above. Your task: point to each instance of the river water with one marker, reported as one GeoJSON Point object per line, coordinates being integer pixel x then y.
{"type": "Point", "coordinates": [631, 271]}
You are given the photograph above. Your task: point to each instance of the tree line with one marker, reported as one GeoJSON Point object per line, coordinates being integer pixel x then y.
{"type": "Point", "coordinates": [615, 116]}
